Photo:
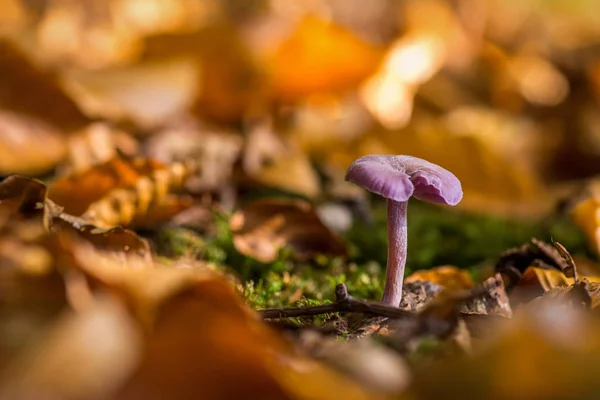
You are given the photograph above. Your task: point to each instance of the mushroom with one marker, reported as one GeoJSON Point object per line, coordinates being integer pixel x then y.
{"type": "Point", "coordinates": [396, 178]}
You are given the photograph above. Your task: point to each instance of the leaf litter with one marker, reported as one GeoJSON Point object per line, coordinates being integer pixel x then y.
{"type": "Point", "coordinates": [174, 221]}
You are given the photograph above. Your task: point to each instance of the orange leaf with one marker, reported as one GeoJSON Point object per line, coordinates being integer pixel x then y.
{"type": "Point", "coordinates": [451, 278]}
{"type": "Point", "coordinates": [318, 57]}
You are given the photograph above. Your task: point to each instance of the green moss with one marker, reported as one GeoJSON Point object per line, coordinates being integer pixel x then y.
{"type": "Point", "coordinates": [437, 236]}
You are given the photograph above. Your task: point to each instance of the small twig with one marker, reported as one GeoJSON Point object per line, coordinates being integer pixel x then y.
{"type": "Point", "coordinates": [343, 303]}
{"type": "Point", "coordinates": [564, 253]}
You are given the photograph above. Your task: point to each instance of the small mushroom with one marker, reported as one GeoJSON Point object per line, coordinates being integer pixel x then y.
{"type": "Point", "coordinates": [397, 178]}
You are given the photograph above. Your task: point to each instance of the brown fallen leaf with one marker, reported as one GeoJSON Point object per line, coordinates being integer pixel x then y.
{"type": "Point", "coordinates": [198, 336]}
{"type": "Point", "coordinates": [214, 150]}
{"type": "Point", "coordinates": [26, 88]}
{"type": "Point", "coordinates": [561, 338]}
{"type": "Point", "coordinates": [63, 364]}
{"type": "Point", "coordinates": [95, 144]}
{"type": "Point", "coordinates": [119, 190]}
{"type": "Point", "coordinates": [28, 145]}
{"type": "Point", "coordinates": [24, 199]}
{"type": "Point", "coordinates": [264, 227]}
{"type": "Point", "coordinates": [272, 161]}
{"type": "Point", "coordinates": [145, 94]}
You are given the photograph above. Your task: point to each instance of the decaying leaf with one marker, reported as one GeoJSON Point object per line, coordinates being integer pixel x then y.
{"type": "Point", "coordinates": [262, 228]}
{"type": "Point", "coordinates": [24, 199]}
{"type": "Point", "coordinates": [119, 190]}
{"type": "Point", "coordinates": [513, 263]}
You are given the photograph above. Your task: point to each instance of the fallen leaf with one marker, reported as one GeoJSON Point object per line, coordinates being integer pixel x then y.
{"type": "Point", "coordinates": [28, 145]}
{"type": "Point", "coordinates": [585, 214]}
{"type": "Point", "coordinates": [119, 190]}
{"type": "Point", "coordinates": [562, 339]}
{"type": "Point", "coordinates": [24, 199]}
{"type": "Point", "coordinates": [274, 162]}
{"type": "Point", "coordinates": [449, 277]}
{"type": "Point", "coordinates": [320, 57]}
{"type": "Point", "coordinates": [26, 88]}
{"type": "Point", "coordinates": [147, 94]}
{"type": "Point", "coordinates": [264, 227]}
{"type": "Point", "coordinates": [214, 150]}
{"type": "Point", "coordinates": [199, 336]}
{"type": "Point", "coordinates": [63, 364]}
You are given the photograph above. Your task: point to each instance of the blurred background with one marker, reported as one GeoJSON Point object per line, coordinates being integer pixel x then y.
{"type": "Point", "coordinates": [279, 97]}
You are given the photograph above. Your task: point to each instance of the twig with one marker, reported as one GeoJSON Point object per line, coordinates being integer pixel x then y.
{"type": "Point", "coordinates": [343, 303]}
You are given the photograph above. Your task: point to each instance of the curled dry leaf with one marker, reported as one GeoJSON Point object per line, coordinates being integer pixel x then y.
{"type": "Point", "coordinates": [120, 190]}
{"type": "Point", "coordinates": [262, 228]}
{"type": "Point", "coordinates": [24, 199]}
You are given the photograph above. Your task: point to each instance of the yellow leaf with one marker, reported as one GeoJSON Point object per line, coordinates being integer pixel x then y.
{"type": "Point", "coordinates": [450, 277]}
{"type": "Point", "coordinates": [319, 57]}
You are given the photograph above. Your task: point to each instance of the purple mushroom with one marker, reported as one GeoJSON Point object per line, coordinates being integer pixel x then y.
{"type": "Point", "coordinates": [397, 178]}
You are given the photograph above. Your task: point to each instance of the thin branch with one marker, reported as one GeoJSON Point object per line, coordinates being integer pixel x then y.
{"type": "Point", "coordinates": [343, 303]}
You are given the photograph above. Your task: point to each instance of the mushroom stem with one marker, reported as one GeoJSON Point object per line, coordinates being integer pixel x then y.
{"type": "Point", "coordinates": [396, 260]}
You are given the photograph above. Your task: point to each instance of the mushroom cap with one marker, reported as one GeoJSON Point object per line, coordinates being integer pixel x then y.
{"type": "Point", "coordinates": [399, 177]}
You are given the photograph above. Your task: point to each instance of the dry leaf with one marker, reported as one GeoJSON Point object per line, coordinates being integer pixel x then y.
{"type": "Point", "coordinates": [274, 162]}
{"type": "Point", "coordinates": [261, 229]}
{"type": "Point", "coordinates": [213, 150]}
{"type": "Point", "coordinates": [28, 145]}
{"type": "Point", "coordinates": [147, 94]}
{"type": "Point", "coordinates": [24, 199]}
{"type": "Point", "coordinates": [27, 89]}
{"type": "Point", "coordinates": [449, 277]}
{"type": "Point", "coordinates": [77, 358]}
{"type": "Point", "coordinates": [97, 143]}
{"type": "Point", "coordinates": [560, 338]}
{"type": "Point", "coordinates": [586, 215]}
{"type": "Point", "coordinates": [200, 336]}
{"type": "Point", "coordinates": [86, 35]}
{"type": "Point", "coordinates": [118, 191]}
{"type": "Point", "coordinates": [320, 57]}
